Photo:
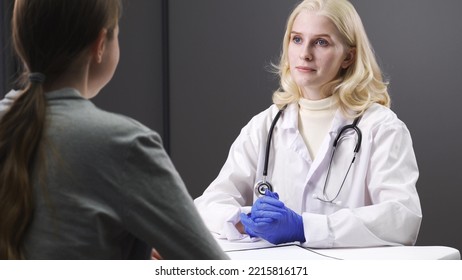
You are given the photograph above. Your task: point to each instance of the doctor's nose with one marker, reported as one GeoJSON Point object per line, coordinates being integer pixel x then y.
{"type": "Point", "coordinates": [306, 54]}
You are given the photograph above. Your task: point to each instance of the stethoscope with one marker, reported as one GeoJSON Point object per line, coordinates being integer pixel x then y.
{"type": "Point", "coordinates": [263, 185]}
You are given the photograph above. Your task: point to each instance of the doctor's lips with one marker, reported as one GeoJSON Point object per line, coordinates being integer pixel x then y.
{"type": "Point", "coordinates": [305, 69]}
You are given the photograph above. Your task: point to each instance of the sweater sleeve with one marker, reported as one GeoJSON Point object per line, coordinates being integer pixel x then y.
{"type": "Point", "coordinates": [158, 208]}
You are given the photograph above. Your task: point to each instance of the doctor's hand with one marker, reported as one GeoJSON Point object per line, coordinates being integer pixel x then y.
{"type": "Point", "coordinates": [271, 220]}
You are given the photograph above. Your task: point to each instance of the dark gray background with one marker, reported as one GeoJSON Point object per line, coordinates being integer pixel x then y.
{"type": "Point", "coordinates": [220, 52]}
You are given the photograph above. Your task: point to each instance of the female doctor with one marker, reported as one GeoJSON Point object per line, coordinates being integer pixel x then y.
{"type": "Point", "coordinates": [359, 193]}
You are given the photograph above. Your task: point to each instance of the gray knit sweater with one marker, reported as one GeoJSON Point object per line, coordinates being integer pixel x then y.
{"type": "Point", "coordinates": [110, 191]}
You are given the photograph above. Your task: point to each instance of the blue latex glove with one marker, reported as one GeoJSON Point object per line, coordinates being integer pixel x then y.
{"type": "Point", "coordinates": [271, 220]}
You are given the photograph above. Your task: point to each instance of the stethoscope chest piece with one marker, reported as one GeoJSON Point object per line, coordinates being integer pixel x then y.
{"type": "Point", "coordinates": [261, 187]}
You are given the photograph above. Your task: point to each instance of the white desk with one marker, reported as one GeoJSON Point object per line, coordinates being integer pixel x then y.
{"type": "Point", "coordinates": [262, 250]}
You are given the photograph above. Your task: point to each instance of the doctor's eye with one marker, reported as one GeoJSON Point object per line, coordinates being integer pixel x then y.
{"type": "Point", "coordinates": [321, 42]}
{"type": "Point", "coordinates": [297, 39]}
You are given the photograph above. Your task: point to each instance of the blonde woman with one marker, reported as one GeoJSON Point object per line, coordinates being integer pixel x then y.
{"type": "Point", "coordinates": [340, 166]}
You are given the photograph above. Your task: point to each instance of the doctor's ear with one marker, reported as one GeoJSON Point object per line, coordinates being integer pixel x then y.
{"type": "Point", "coordinates": [349, 58]}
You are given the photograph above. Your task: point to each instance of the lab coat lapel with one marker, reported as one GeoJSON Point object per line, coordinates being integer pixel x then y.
{"type": "Point", "coordinates": [294, 142]}
{"type": "Point", "coordinates": [293, 138]}
{"type": "Point", "coordinates": [325, 151]}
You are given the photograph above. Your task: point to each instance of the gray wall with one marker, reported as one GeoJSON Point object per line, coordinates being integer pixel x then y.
{"type": "Point", "coordinates": [220, 51]}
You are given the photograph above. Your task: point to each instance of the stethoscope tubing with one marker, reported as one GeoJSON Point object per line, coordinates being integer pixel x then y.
{"type": "Point", "coordinates": [263, 185]}
{"type": "Point", "coordinates": [268, 140]}
{"type": "Point", "coordinates": [344, 129]}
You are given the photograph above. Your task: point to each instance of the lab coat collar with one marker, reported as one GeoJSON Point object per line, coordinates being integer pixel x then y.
{"type": "Point", "coordinates": [338, 121]}
{"type": "Point", "coordinates": [290, 117]}
{"type": "Point", "coordinates": [289, 127]}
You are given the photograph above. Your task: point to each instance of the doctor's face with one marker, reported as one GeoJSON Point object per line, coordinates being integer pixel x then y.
{"type": "Point", "coordinates": [316, 53]}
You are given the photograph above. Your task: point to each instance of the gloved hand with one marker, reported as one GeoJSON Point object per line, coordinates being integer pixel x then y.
{"type": "Point", "coordinates": [271, 220]}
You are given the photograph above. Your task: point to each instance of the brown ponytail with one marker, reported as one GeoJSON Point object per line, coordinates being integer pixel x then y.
{"type": "Point", "coordinates": [48, 36]}
{"type": "Point", "coordinates": [20, 136]}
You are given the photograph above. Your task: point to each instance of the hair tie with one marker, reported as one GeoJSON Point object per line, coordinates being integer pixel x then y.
{"type": "Point", "coordinates": [37, 77]}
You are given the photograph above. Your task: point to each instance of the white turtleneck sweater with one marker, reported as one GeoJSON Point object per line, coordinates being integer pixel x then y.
{"type": "Point", "coordinates": [314, 120]}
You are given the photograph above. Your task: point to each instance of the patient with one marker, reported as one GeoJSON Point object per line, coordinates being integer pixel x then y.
{"type": "Point", "coordinates": [77, 182]}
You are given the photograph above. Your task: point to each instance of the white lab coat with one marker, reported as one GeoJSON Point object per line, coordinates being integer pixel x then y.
{"type": "Point", "coordinates": [379, 204]}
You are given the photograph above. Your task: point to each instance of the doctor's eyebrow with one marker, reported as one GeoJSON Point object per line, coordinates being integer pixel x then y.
{"type": "Point", "coordinates": [315, 35]}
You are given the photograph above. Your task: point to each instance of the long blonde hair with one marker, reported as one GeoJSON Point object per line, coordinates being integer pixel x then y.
{"type": "Point", "coordinates": [48, 36]}
{"type": "Point", "coordinates": [358, 86]}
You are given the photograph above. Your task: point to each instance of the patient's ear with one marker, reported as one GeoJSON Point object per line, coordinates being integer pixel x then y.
{"type": "Point", "coordinates": [99, 46]}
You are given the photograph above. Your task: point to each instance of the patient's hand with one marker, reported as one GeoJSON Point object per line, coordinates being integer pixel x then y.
{"type": "Point", "coordinates": [240, 227]}
{"type": "Point", "coordinates": [155, 255]}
